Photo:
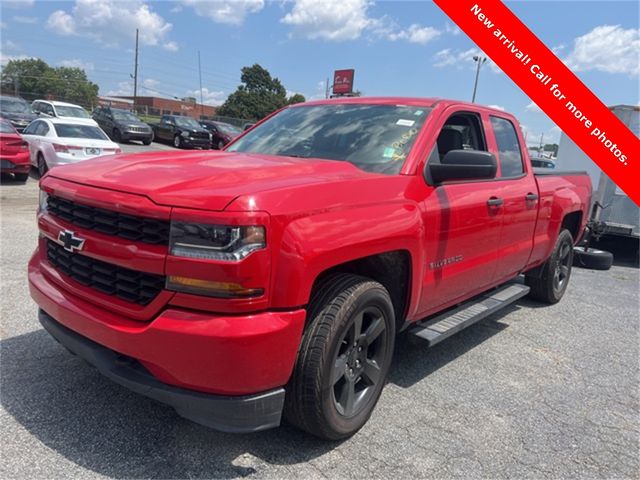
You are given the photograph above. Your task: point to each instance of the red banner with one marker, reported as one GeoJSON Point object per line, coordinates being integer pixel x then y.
{"type": "Point", "coordinates": [552, 86]}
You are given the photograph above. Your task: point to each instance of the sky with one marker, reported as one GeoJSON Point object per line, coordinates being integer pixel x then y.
{"type": "Point", "coordinates": [399, 48]}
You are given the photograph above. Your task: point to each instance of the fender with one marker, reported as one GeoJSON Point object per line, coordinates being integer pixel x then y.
{"type": "Point", "coordinates": [310, 246]}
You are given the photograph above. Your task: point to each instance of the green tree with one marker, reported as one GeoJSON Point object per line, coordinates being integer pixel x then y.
{"type": "Point", "coordinates": [32, 78]}
{"type": "Point", "coordinates": [296, 98]}
{"type": "Point", "coordinates": [259, 95]}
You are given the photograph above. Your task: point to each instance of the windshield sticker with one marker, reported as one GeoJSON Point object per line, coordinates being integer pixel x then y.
{"type": "Point", "coordinates": [418, 113]}
{"type": "Point", "coordinates": [405, 123]}
{"type": "Point", "coordinates": [389, 152]}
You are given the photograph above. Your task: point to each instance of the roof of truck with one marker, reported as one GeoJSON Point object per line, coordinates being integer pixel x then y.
{"type": "Point", "coordinates": [412, 101]}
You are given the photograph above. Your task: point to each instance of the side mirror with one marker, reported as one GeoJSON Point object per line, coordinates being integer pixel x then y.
{"type": "Point", "coordinates": [463, 165]}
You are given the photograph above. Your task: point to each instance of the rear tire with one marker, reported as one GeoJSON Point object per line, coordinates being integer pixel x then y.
{"type": "Point", "coordinates": [550, 286]}
{"type": "Point", "coordinates": [593, 258]}
{"type": "Point", "coordinates": [42, 165]}
{"type": "Point", "coordinates": [344, 357]}
{"type": "Point", "coordinates": [21, 177]}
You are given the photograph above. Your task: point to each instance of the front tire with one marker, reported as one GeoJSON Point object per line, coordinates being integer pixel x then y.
{"type": "Point", "coordinates": [344, 357]}
{"type": "Point", "coordinates": [177, 141]}
{"type": "Point", "coordinates": [551, 285]}
{"type": "Point", "coordinates": [220, 144]}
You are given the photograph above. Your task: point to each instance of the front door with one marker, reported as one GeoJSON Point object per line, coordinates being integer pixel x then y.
{"type": "Point", "coordinates": [462, 223]}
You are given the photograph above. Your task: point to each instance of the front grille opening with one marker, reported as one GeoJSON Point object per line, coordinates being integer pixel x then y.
{"type": "Point", "coordinates": [131, 286]}
{"type": "Point", "coordinates": [108, 222]}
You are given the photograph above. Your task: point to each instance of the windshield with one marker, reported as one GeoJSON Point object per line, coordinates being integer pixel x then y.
{"type": "Point", "coordinates": [187, 122]}
{"type": "Point", "coordinates": [124, 115]}
{"type": "Point", "coordinates": [6, 127]}
{"type": "Point", "coordinates": [228, 129]}
{"type": "Point", "coordinates": [375, 138]}
{"type": "Point", "coordinates": [79, 131]}
{"type": "Point", "coordinates": [77, 112]}
{"type": "Point", "coordinates": [14, 106]}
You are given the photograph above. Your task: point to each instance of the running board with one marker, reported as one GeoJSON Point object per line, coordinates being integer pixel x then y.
{"type": "Point", "coordinates": [443, 326]}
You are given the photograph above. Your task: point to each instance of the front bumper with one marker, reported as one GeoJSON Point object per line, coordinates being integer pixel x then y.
{"type": "Point", "coordinates": [137, 136]}
{"type": "Point", "coordinates": [197, 353]}
{"type": "Point", "coordinates": [196, 142]}
{"type": "Point", "coordinates": [238, 414]}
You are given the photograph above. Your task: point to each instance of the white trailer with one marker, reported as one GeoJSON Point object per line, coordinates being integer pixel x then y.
{"type": "Point", "coordinates": [620, 215]}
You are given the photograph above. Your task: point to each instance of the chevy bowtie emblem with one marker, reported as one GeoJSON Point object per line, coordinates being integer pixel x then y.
{"type": "Point", "coordinates": [69, 241]}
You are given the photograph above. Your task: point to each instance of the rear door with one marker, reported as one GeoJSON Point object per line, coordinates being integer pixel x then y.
{"type": "Point", "coordinates": [518, 190]}
{"type": "Point", "coordinates": [31, 136]}
{"type": "Point", "coordinates": [461, 220]}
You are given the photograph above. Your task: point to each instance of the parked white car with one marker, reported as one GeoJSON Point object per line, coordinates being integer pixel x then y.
{"type": "Point", "coordinates": [53, 109]}
{"type": "Point", "coordinates": [58, 141]}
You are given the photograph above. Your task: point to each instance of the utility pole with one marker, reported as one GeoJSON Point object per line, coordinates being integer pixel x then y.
{"type": "Point", "coordinates": [200, 75]}
{"type": "Point", "coordinates": [480, 60]}
{"type": "Point", "coordinates": [326, 89]}
{"type": "Point", "coordinates": [135, 76]}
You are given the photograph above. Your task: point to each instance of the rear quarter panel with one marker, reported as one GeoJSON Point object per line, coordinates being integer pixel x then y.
{"type": "Point", "coordinates": [560, 194]}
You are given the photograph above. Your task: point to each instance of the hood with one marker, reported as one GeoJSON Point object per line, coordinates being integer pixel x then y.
{"type": "Point", "coordinates": [209, 181]}
{"type": "Point", "coordinates": [14, 116]}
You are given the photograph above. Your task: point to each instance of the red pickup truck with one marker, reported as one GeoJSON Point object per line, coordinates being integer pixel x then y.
{"type": "Point", "coordinates": [270, 279]}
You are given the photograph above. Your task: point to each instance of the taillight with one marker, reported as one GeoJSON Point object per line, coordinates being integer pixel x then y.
{"type": "Point", "coordinates": [110, 151]}
{"type": "Point", "coordinates": [20, 145]}
{"type": "Point", "coordinates": [60, 148]}
{"type": "Point", "coordinates": [65, 148]}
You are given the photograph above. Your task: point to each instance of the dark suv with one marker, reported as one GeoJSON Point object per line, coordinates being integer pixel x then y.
{"type": "Point", "coordinates": [122, 125]}
{"type": "Point", "coordinates": [17, 111]}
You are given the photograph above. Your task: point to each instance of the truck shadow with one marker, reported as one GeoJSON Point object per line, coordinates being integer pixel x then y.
{"type": "Point", "coordinates": [414, 362]}
{"type": "Point", "coordinates": [69, 407]}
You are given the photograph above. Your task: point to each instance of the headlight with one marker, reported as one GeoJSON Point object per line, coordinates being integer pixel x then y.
{"type": "Point", "coordinates": [42, 201]}
{"type": "Point", "coordinates": [215, 242]}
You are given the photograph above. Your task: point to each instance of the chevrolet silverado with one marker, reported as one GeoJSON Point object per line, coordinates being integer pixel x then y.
{"type": "Point", "coordinates": [270, 279]}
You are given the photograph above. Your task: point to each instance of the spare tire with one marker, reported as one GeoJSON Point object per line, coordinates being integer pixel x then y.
{"type": "Point", "coordinates": [593, 258]}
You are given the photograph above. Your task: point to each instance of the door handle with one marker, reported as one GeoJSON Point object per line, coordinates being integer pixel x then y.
{"type": "Point", "coordinates": [495, 202]}
{"type": "Point", "coordinates": [531, 197]}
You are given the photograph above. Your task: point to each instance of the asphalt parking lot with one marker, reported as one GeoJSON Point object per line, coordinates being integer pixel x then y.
{"type": "Point", "coordinates": [532, 392]}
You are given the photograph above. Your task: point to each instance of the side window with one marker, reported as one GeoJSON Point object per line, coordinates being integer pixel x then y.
{"type": "Point", "coordinates": [35, 107]}
{"type": "Point", "coordinates": [48, 109]}
{"type": "Point", "coordinates": [461, 131]}
{"type": "Point", "coordinates": [509, 154]}
{"type": "Point", "coordinates": [31, 128]}
{"type": "Point", "coordinates": [41, 129]}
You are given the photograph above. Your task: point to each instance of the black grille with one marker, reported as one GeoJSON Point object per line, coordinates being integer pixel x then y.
{"type": "Point", "coordinates": [140, 229]}
{"type": "Point", "coordinates": [129, 285]}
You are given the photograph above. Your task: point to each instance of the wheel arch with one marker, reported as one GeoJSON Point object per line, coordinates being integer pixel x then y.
{"type": "Point", "coordinates": [572, 221]}
{"type": "Point", "coordinates": [392, 269]}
